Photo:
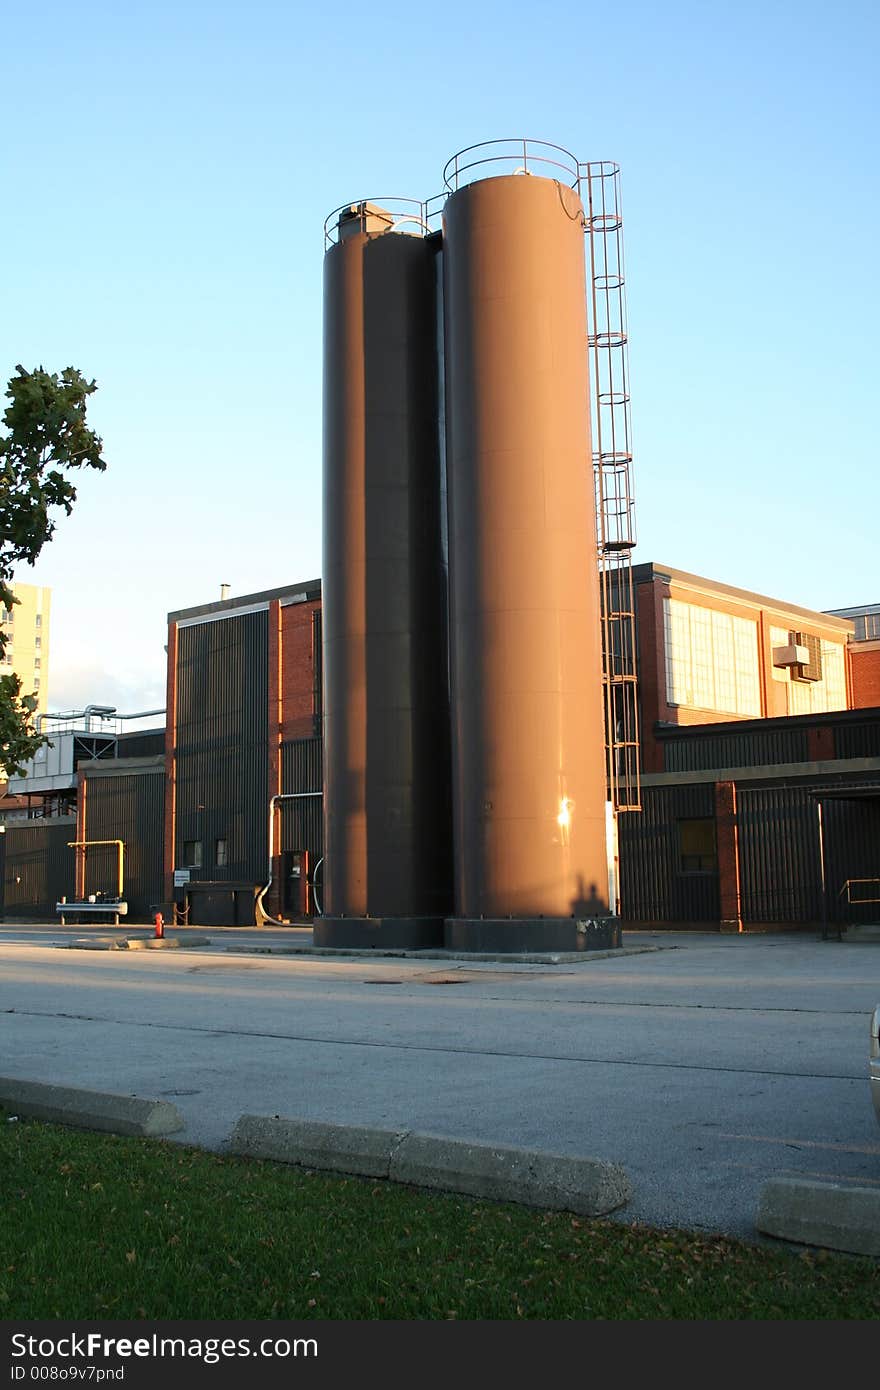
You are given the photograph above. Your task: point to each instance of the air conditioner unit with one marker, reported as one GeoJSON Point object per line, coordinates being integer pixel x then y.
{"type": "Point", "coordinates": [792, 655]}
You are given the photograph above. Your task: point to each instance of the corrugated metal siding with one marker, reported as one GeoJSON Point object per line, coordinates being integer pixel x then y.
{"type": "Point", "coordinates": [131, 809]}
{"type": "Point", "coordinates": [145, 744]}
{"type": "Point", "coordinates": [302, 822]}
{"type": "Point", "coordinates": [779, 855]}
{"type": "Point", "coordinates": [749, 748]}
{"type": "Point", "coordinates": [852, 850]}
{"type": "Point", "coordinates": [652, 886]}
{"type": "Point", "coordinates": [222, 745]}
{"type": "Point", "coordinates": [860, 740]}
{"type": "Point", "coordinates": [40, 869]}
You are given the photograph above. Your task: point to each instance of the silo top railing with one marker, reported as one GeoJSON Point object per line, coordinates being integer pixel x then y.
{"type": "Point", "coordinates": [494, 158]}
{"type": "Point", "coordinates": [408, 215]}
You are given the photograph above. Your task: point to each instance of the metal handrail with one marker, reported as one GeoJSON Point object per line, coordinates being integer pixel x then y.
{"type": "Point", "coordinates": [524, 151]}
{"type": "Point", "coordinates": [399, 210]}
{"type": "Point", "coordinates": [847, 888]}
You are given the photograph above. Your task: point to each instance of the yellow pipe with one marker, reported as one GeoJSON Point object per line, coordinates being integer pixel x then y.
{"type": "Point", "coordinates": [86, 844]}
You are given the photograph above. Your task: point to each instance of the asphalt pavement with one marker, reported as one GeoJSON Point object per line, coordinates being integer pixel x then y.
{"type": "Point", "coordinates": [704, 1065]}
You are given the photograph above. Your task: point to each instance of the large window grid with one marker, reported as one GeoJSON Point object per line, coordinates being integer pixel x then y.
{"type": "Point", "coordinates": [711, 659]}
{"type": "Point", "coordinates": [815, 697]}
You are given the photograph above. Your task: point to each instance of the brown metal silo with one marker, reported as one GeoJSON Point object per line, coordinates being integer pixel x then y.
{"type": "Point", "coordinates": [528, 741]}
{"type": "Point", "coordinates": [387, 819]}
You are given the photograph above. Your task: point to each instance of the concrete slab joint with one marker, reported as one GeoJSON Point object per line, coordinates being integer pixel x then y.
{"type": "Point", "coordinates": [586, 1186]}
{"type": "Point", "coordinates": [83, 1109]}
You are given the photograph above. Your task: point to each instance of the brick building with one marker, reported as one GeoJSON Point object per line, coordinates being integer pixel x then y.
{"type": "Point", "coordinates": [243, 730]}
{"type": "Point", "coordinates": [708, 652]}
{"type": "Point", "coordinates": [864, 653]}
{"type": "Point", "coordinates": [760, 789]}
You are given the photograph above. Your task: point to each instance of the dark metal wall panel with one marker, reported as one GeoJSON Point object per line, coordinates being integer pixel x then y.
{"type": "Point", "coordinates": [749, 748]}
{"type": "Point", "coordinates": [779, 855]}
{"type": "Point", "coordinates": [302, 822]}
{"type": "Point", "coordinates": [131, 809]}
{"type": "Point", "coordinates": [652, 885]}
{"type": "Point", "coordinates": [858, 740]}
{"type": "Point", "coordinates": [852, 851]}
{"type": "Point", "coordinates": [145, 744]}
{"type": "Point", "coordinates": [222, 745]}
{"type": "Point", "coordinates": [40, 868]}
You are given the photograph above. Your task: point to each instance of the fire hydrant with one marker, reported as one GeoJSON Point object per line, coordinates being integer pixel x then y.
{"type": "Point", "coordinates": [160, 925]}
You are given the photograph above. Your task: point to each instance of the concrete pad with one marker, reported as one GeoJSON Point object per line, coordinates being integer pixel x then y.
{"type": "Point", "coordinates": [164, 943]}
{"type": "Point", "coordinates": [311, 1144]}
{"type": "Point", "coordinates": [587, 1186]}
{"type": "Point", "coordinates": [868, 931]}
{"type": "Point", "coordinates": [827, 1214]}
{"type": "Point", "coordinates": [103, 1110]}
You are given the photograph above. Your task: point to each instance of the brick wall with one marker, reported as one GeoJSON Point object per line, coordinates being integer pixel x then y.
{"type": "Point", "coordinates": [297, 670]}
{"type": "Point", "coordinates": [651, 672]}
{"type": "Point", "coordinates": [865, 667]}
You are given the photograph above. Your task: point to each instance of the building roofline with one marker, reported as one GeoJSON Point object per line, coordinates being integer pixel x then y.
{"type": "Point", "coordinates": [861, 610]}
{"type": "Point", "coordinates": [308, 590]}
{"type": "Point", "coordinates": [652, 570]}
{"type": "Point", "coordinates": [870, 714]}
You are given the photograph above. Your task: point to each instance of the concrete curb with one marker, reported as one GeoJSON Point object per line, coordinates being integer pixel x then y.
{"type": "Point", "coordinates": [826, 1214]}
{"type": "Point", "coordinates": [164, 943]}
{"type": "Point", "coordinates": [312, 1144]}
{"type": "Point", "coordinates": [103, 1110]}
{"type": "Point", "coordinates": [133, 943]}
{"type": "Point", "coordinates": [586, 1186]}
{"type": "Point", "coordinates": [500, 958]}
{"type": "Point", "coordinates": [93, 943]}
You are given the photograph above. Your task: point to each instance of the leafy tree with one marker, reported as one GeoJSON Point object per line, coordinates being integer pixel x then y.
{"type": "Point", "coordinates": [46, 435]}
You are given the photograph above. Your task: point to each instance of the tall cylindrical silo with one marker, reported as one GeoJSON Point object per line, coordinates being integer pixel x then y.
{"type": "Point", "coordinates": [387, 872]}
{"type": "Point", "coordinates": [528, 740]}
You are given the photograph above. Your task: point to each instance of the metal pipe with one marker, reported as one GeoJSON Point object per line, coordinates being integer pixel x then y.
{"type": "Point", "coordinates": [100, 711]}
{"type": "Point", "coordinates": [86, 844]}
{"type": "Point", "coordinates": [279, 796]}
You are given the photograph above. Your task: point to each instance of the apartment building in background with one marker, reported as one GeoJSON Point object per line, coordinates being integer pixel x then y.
{"type": "Point", "coordinates": [26, 629]}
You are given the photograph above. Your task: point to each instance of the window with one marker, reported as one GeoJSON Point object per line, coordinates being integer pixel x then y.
{"type": "Point", "coordinates": [829, 693]}
{"type": "Point", "coordinates": [38, 642]}
{"type": "Point", "coordinates": [696, 844]}
{"type": "Point", "coordinates": [711, 659]}
{"type": "Point", "coordinates": [192, 854]}
{"type": "Point", "coordinates": [36, 663]}
{"type": "Point", "coordinates": [220, 853]}
{"type": "Point", "coordinates": [38, 620]}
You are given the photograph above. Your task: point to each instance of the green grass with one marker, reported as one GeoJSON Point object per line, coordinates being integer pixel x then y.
{"type": "Point", "coordinates": [97, 1226]}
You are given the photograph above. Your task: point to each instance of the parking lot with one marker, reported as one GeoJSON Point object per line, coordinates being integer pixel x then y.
{"type": "Point", "coordinates": [703, 1064]}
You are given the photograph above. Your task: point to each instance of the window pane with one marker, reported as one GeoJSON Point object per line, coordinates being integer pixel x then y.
{"type": "Point", "coordinates": [696, 840]}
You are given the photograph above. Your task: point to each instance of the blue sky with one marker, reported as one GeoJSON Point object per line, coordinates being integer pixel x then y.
{"type": "Point", "coordinates": [167, 169]}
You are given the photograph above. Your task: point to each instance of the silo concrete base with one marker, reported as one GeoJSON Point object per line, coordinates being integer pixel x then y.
{"type": "Point", "coordinates": [518, 934]}
{"type": "Point", "coordinates": [379, 933]}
